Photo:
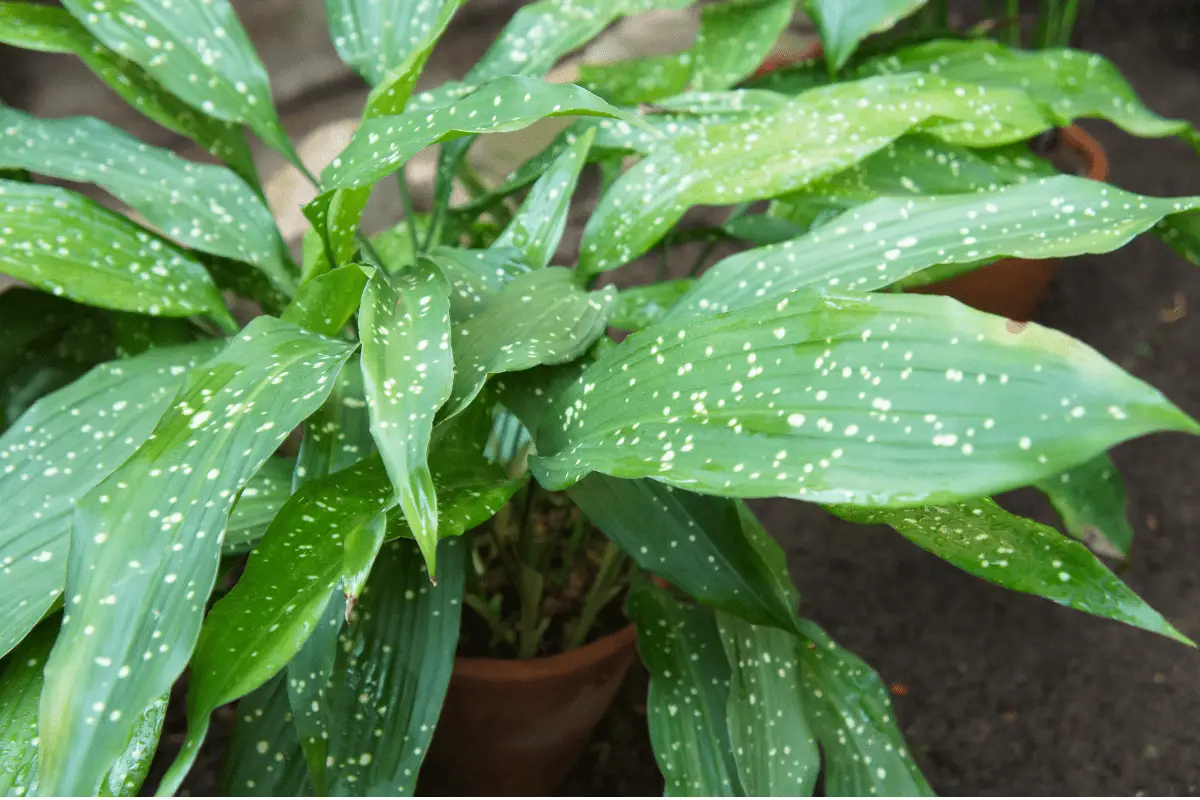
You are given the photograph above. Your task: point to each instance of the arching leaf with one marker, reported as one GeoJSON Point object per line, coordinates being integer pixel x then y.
{"type": "Point", "coordinates": [1090, 498]}
{"type": "Point", "coordinates": [327, 302]}
{"type": "Point", "coordinates": [735, 37]}
{"type": "Point", "coordinates": [843, 25]}
{"type": "Point", "coordinates": [374, 37]}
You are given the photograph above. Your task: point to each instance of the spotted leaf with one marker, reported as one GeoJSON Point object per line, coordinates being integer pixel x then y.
{"type": "Point", "coordinates": [53, 239]}
{"type": "Point", "coordinates": [257, 505]}
{"type": "Point", "coordinates": [735, 37]}
{"type": "Point", "coordinates": [806, 138]}
{"type": "Point", "coordinates": [539, 317]}
{"type": "Point", "coordinates": [712, 548]}
{"type": "Point", "coordinates": [20, 692]}
{"type": "Point", "coordinates": [843, 25]}
{"type": "Point", "coordinates": [252, 632]}
{"type": "Point", "coordinates": [335, 217]}
{"type": "Point", "coordinates": [382, 145]}
{"type": "Point", "coordinates": [327, 302]}
{"type": "Point", "coordinates": [53, 30]}
{"type": "Point", "coordinates": [1090, 498]}
{"type": "Point", "coordinates": [689, 688]}
{"type": "Point", "coordinates": [848, 707]}
{"type": "Point", "coordinates": [56, 452]}
{"type": "Point", "coordinates": [198, 51]}
{"type": "Point", "coordinates": [638, 80]}
{"type": "Point", "coordinates": [145, 542]}
{"type": "Point", "coordinates": [874, 399]}
{"type": "Point", "coordinates": [408, 371]}
{"type": "Point", "coordinates": [392, 671]}
{"type": "Point", "coordinates": [202, 206]}
{"type": "Point", "coordinates": [890, 239]}
{"type": "Point", "coordinates": [538, 225]}
{"type": "Point", "coordinates": [307, 681]}
{"type": "Point", "coordinates": [374, 37]}
{"type": "Point", "coordinates": [475, 276]}
{"type": "Point", "coordinates": [264, 758]}
{"type": "Point", "coordinates": [773, 746]}
{"type": "Point", "coordinates": [641, 306]}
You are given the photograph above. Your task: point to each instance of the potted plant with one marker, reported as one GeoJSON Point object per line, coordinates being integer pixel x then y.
{"type": "Point", "coordinates": [473, 432]}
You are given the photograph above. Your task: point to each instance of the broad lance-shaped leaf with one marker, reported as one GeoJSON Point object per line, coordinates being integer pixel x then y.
{"type": "Point", "coordinates": [52, 30]}
{"type": "Point", "coordinates": [874, 399]}
{"type": "Point", "coordinates": [538, 226]}
{"type": "Point", "coordinates": [199, 51]}
{"type": "Point", "coordinates": [393, 90]}
{"type": "Point", "coordinates": [848, 707]}
{"type": "Point", "coordinates": [66, 244]}
{"type": "Point", "coordinates": [773, 746]}
{"type": "Point", "coordinates": [335, 217]}
{"type": "Point", "coordinates": [253, 631]}
{"type": "Point", "coordinates": [203, 206]}
{"type": "Point", "coordinates": [712, 548]}
{"type": "Point", "coordinates": [56, 452]}
{"type": "Point", "coordinates": [539, 317]}
{"type": "Point", "coordinates": [1182, 234]}
{"type": "Point", "coordinates": [1090, 498]}
{"type": "Point", "coordinates": [808, 137]}
{"type": "Point", "coordinates": [735, 37]}
{"type": "Point", "coordinates": [145, 542]}
{"type": "Point", "coordinates": [257, 505]}
{"type": "Point", "coordinates": [843, 25]}
{"type": "Point", "coordinates": [374, 37]}
{"type": "Point", "coordinates": [327, 302]}
{"type": "Point", "coordinates": [475, 276]}
{"type": "Point", "coordinates": [382, 145]}
{"type": "Point", "coordinates": [1073, 83]}
{"type": "Point", "coordinates": [689, 688]}
{"type": "Point", "coordinates": [264, 758]}
{"type": "Point", "coordinates": [408, 371]}
{"type": "Point", "coordinates": [393, 668]}
{"type": "Point", "coordinates": [890, 239]}
{"type": "Point", "coordinates": [1019, 554]}
{"type": "Point", "coordinates": [20, 692]}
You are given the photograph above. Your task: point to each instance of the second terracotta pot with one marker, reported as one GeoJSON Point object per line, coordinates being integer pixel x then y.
{"type": "Point", "coordinates": [516, 727]}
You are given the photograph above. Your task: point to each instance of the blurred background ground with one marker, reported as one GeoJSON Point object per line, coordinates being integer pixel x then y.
{"type": "Point", "coordinates": [1003, 694]}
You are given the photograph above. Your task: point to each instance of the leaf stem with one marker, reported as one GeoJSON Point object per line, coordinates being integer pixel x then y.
{"type": "Point", "coordinates": [599, 596]}
{"type": "Point", "coordinates": [410, 216]}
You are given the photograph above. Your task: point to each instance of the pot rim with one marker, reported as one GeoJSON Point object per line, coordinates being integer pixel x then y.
{"type": "Point", "coordinates": [523, 670]}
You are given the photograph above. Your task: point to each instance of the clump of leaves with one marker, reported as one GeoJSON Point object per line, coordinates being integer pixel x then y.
{"type": "Point", "coordinates": [468, 412]}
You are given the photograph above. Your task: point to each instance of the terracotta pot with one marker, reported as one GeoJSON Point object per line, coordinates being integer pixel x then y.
{"type": "Point", "coordinates": [512, 727]}
{"type": "Point", "coordinates": [1010, 287]}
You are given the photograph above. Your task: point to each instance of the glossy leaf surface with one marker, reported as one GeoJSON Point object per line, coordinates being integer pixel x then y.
{"type": "Point", "coordinates": [1090, 498]}
{"type": "Point", "coordinates": [849, 709]}
{"type": "Point", "coordinates": [1019, 554]}
{"type": "Point", "coordinates": [773, 746]}
{"type": "Point", "coordinates": [875, 399]}
{"type": "Point", "coordinates": [257, 505]}
{"type": "Point", "coordinates": [327, 302]}
{"type": "Point", "coordinates": [202, 206]}
{"type": "Point", "coordinates": [712, 548]}
{"type": "Point", "coordinates": [641, 306]}
{"type": "Point", "coordinates": [689, 686]}
{"type": "Point", "coordinates": [55, 453]}
{"type": "Point", "coordinates": [64, 243]}
{"type": "Point", "coordinates": [734, 38]}
{"type": "Point", "coordinates": [393, 667]}
{"type": "Point", "coordinates": [198, 51]}
{"type": "Point", "coordinates": [145, 542]}
{"type": "Point", "coordinates": [408, 370]}
{"type": "Point", "coordinates": [264, 758]}
{"type": "Point", "coordinates": [843, 25]}
{"type": "Point", "coordinates": [375, 36]}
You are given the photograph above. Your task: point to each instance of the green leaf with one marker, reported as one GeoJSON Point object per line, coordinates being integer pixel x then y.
{"type": "Point", "coordinates": [638, 80]}
{"type": "Point", "coordinates": [307, 681]}
{"type": "Point", "coordinates": [874, 399]}
{"type": "Point", "coordinates": [382, 145]}
{"type": "Point", "coordinates": [52, 30]}
{"type": "Point", "coordinates": [843, 25]}
{"type": "Point", "coordinates": [475, 276]}
{"type": "Point", "coordinates": [890, 239]}
{"type": "Point", "coordinates": [20, 693]}
{"type": "Point", "coordinates": [145, 542]}
{"type": "Point", "coordinates": [407, 371]}
{"type": "Point", "coordinates": [773, 746]}
{"type": "Point", "coordinates": [1090, 498]}
{"type": "Point", "coordinates": [53, 239]}
{"type": "Point", "coordinates": [361, 549]}
{"type": "Point", "coordinates": [735, 37]}
{"type": "Point", "coordinates": [849, 709]}
{"type": "Point", "coordinates": [203, 206]}
{"type": "Point", "coordinates": [55, 453]}
{"type": "Point", "coordinates": [393, 668]}
{"type": "Point", "coordinates": [712, 548]}
{"type": "Point", "coordinates": [1182, 233]}
{"type": "Point", "coordinates": [258, 627]}
{"type": "Point", "coordinates": [776, 151]}
{"type": "Point", "coordinates": [335, 217]}
{"type": "Point", "coordinates": [689, 688]}
{"type": "Point", "coordinates": [257, 505]}
{"type": "Point", "coordinates": [198, 52]}
{"type": "Point", "coordinates": [374, 37]}
{"type": "Point", "coordinates": [641, 306]}
{"type": "Point", "coordinates": [327, 302]}
{"type": "Point", "coordinates": [538, 225]}
{"type": "Point", "coordinates": [264, 758]}
{"type": "Point", "coordinates": [1073, 83]}
{"type": "Point", "coordinates": [539, 317]}
{"type": "Point", "coordinates": [983, 539]}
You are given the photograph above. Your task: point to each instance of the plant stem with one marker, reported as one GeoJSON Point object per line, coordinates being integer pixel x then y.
{"type": "Point", "coordinates": [705, 252]}
{"type": "Point", "coordinates": [1066, 25]}
{"type": "Point", "coordinates": [410, 216]}
{"type": "Point", "coordinates": [1014, 22]}
{"type": "Point", "coordinates": [577, 534]}
{"type": "Point", "coordinates": [369, 250]}
{"type": "Point", "coordinates": [599, 595]}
